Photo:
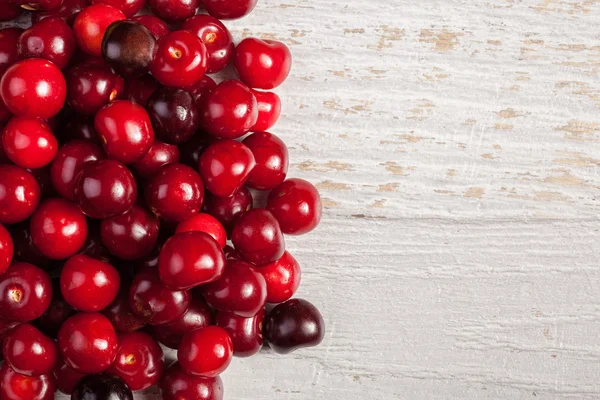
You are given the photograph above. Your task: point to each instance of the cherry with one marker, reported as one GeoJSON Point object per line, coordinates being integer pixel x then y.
{"type": "Point", "coordinates": [245, 333]}
{"type": "Point", "coordinates": [101, 387]}
{"type": "Point", "coordinates": [216, 38]}
{"type": "Point", "coordinates": [14, 386]}
{"type": "Point", "coordinates": [139, 361]}
{"type": "Point", "coordinates": [282, 277]}
{"type": "Point", "coordinates": [269, 110]}
{"type": "Point", "coordinates": [293, 325]}
{"type": "Point", "coordinates": [19, 194]}
{"type": "Point", "coordinates": [173, 114]}
{"type": "Point", "coordinates": [206, 351]}
{"type": "Point", "coordinates": [66, 377]}
{"type": "Point", "coordinates": [229, 111]}
{"type": "Point", "coordinates": [228, 209]}
{"type": "Point", "coordinates": [140, 89]}
{"type": "Point", "coordinates": [225, 166]}
{"type": "Point", "coordinates": [180, 59]}
{"type": "Point", "coordinates": [51, 39]}
{"type": "Point", "coordinates": [132, 235]}
{"type": "Point", "coordinates": [6, 249]}
{"type": "Point", "coordinates": [9, 50]}
{"type": "Point", "coordinates": [90, 86]}
{"type": "Point", "coordinates": [93, 246]}
{"type": "Point", "coordinates": [125, 130]}
{"type": "Point", "coordinates": [25, 250]}
{"type": "Point", "coordinates": [159, 155]}
{"type": "Point", "coordinates": [201, 88]}
{"type": "Point", "coordinates": [68, 163]}
{"type": "Point", "coordinates": [68, 10]}
{"type": "Point", "coordinates": [204, 223]}
{"type": "Point", "coordinates": [79, 126]}
{"type": "Point", "coordinates": [155, 25]}
{"type": "Point", "coordinates": [56, 314]}
{"type": "Point", "coordinates": [240, 290]}
{"type": "Point", "coordinates": [151, 299]}
{"type": "Point", "coordinates": [45, 5]}
{"type": "Point", "coordinates": [29, 143]}
{"type": "Point", "coordinates": [272, 160]}
{"type": "Point", "coordinates": [197, 316]}
{"type": "Point", "coordinates": [91, 24]}
{"type": "Point", "coordinates": [176, 384]}
{"type": "Point", "coordinates": [25, 292]}
{"type": "Point", "coordinates": [120, 314]}
{"type": "Point", "coordinates": [104, 189]}
{"type": "Point", "coordinates": [257, 237]}
{"type": "Point", "coordinates": [128, 47]}
{"type": "Point", "coordinates": [29, 352]}
{"type": "Point", "coordinates": [174, 10]}
{"type": "Point", "coordinates": [127, 7]}
{"type": "Point", "coordinates": [58, 228]}
{"type": "Point", "coordinates": [175, 193]}
{"type": "Point", "coordinates": [9, 11]}
{"type": "Point", "coordinates": [262, 64]}
{"type": "Point", "coordinates": [229, 9]}
{"type": "Point", "coordinates": [33, 88]}
{"type": "Point", "coordinates": [297, 206]}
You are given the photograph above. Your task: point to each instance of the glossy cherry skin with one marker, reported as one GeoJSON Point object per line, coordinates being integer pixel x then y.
{"type": "Point", "coordinates": [25, 250]}
{"type": "Point", "coordinates": [229, 9]}
{"type": "Point", "coordinates": [176, 384]}
{"type": "Point", "coordinates": [56, 314]}
{"type": "Point", "coordinates": [51, 39]}
{"type": "Point", "coordinates": [206, 223]}
{"type": "Point", "coordinates": [91, 24]}
{"type": "Point", "coordinates": [175, 193]}
{"type": "Point", "coordinates": [240, 290]}
{"type": "Point", "coordinates": [228, 209]}
{"type": "Point", "coordinates": [29, 143]}
{"type": "Point", "coordinates": [19, 194]}
{"type": "Point", "coordinates": [139, 361]}
{"type": "Point", "coordinates": [68, 10]}
{"type": "Point", "coordinates": [15, 386]}
{"type": "Point", "coordinates": [88, 343]}
{"type": "Point", "coordinates": [272, 160]}
{"type": "Point", "coordinates": [101, 387]}
{"type": "Point", "coordinates": [128, 47]}
{"type": "Point", "coordinates": [68, 162]}
{"type": "Point", "coordinates": [190, 259]}
{"type": "Point", "coordinates": [262, 64]}
{"type": "Point", "coordinates": [132, 235]}
{"type": "Point", "coordinates": [297, 206]}
{"type": "Point", "coordinates": [216, 38]}
{"type": "Point", "coordinates": [25, 292]}
{"type": "Point", "coordinates": [9, 46]}
{"type": "Point", "coordinates": [33, 88]}
{"type": "Point", "coordinates": [7, 249]}
{"type": "Point", "coordinates": [197, 316]}
{"type": "Point", "coordinates": [151, 299]}
{"type": "Point", "coordinates": [105, 189]}
{"type": "Point", "coordinates": [66, 377]}
{"type": "Point", "coordinates": [29, 352]}
{"type": "Point", "coordinates": [173, 114]}
{"type": "Point", "coordinates": [269, 110]}
{"type": "Point", "coordinates": [246, 333]}
{"type": "Point", "coordinates": [125, 130]}
{"type": "Point", "coordinates": [58, 228]}
{"type": "Point", "coordinates": [155, 25]}
{"type": "Point", "coordinates": [180, 59]}
{"type": "Point", "coordinates": [229, 111]}
{"type": "Point", "coordinates": [174, 10]}
{"type": "Point", "coordinates": [159, 155]}
{"type": "Point", "coordinates": [9, 11]}
{"type": "Point", "coordinates": [120, 314]}
{"type": "Point", "coordinates": [225, 166]}
{"type": "Point", "coordinates": [127, 7]}
{"type": "Point", "coordinates": [293, 325]}
{"type": "Point", "coordinates": [140, 89]}
{"type": "Point", "coordinates": [90, 86]}
{"type": "Point", "coordinates": [282, 278]}
{"type": "Point", "coordinates": [257, 237]}
{"type": "Point", "coordinates": [206, 351]}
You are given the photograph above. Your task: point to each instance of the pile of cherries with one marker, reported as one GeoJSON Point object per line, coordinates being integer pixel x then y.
{"type": "Point", "coordinates": [124, 171]}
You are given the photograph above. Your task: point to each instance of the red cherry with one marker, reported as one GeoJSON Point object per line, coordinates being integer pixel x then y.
{"type": "Point", "coordinates": [90, 86]}
{"type": "Point", "coordinates": [204, 223]}
{"type": "Point", "coordinates": [173, 114]}
{"type": "Point", "coordinates": [197, 316]}
{"type": "Point", "coordinates": [140, 89]}
{"type": "Point", "coordinates": [262, 64]}
{"type": "Point", "coordinates": [272, 160]}
{"type": "Point", "coordinates": [88, 343]}
{"type": "Point", "coordinates": [132, 235]}
{"type": "Point", "coordinates": [66, 377]}
{"type": "Point", "coordinates": [9, 11]}
{"type": "Point", "coordinates": [33, 88]}
{"type": "Point", "coordinates": [150, 298]}
{"type": "Point", "coordinates": [120, 314]}
{"type": "Point", "coordinates": [228, 209]}
{"type": "Point", "coordinates": [6, 249]}
{"type": "Point", "coordinates": [176, 384]}
{"type": "Point", "coordinates": [229, 111]}
{"type": "Point", "coordinates": [58, 228]}
{"type": "Point", "coordinates": [127, 7]}
{"type": "Point", "coordinates": [155, 25]}
{"type": "Point", "coordinates": [29, 143]}
{"type": "Point", "coordinates": [51, 39]}
{"type": "Point", "coordinates": [269, 110]}
{"type": "Point", "coordinates": [25, 292]}
{"type": "Point", "coordinates": [29, 352]}
{"type": "Point", "coordinates": [229, 9]}
{"type": "Point", "coordinates": [173, 10]}
{"type": "Point", "coordinates": [90, 25]}
{"type": "Point", "coordinates": [297, 206]}
{"type": "Point", "coordinates": [14, 386]}
{"type": "Point", "coordinates": [240, 290]}
{"type": "Point", "coordinates": [257, 237]}
{"type": "Point", "coordinates": [216, 38]}
{"type": "Point", "coordinates": [105, 189]}
{"type": "Point", "coordinates": [201, 88]}
{"type": "Point", "coordinates": [224, 166]}
{"type": "Point", "coordinates": [139, 361]}
{"type": "Point", "coordinates": [245, 333]}
{"type": "Point", "coordinates": [159, 155]}
{"type": "Point", "coordinates": [68, 10]}
{"type": "Point", "coordinates": [175, 193]}
{"type": "Point", "coordinates": [206, 351]}
{"type": "Point", "coordinates": [9, 41]}
{"type": "Point", "coordinates": [180, 59]}
{"type": "Point", "coordinates": [19, 194]}
{"type": "Point", "coordinates": [282, 277]}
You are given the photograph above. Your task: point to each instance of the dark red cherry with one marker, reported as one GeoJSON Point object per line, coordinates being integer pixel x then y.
{"type": "Point", "coordinates": [14, 386]}
{"type": "Point", "coordinates": [159, 155]}
{"type": "Point", "coordinates": [25, 250]}
{"type": "Point", "coordinates": [216, 38]}
{"type": "Point", "coordinates": [282, 277]}
{"type": "Point", "coordinates": [25, 292]}
{"type": "Point", "coordinates": [229, 9]}
{"type": "Point", "coordinates": [88, 343]}
{"type": "Point", "coordinates": [193, 148]}
{"type": "Point", "coordinates": [262, 64]}
{"type": "Point", "coordinates": [51, 39]}
{"type": "Point", "coordinates": [272, 160]}
{"type": "Point", "coordinates": [297, 206]}
{"type": "Point", "coordinates": [224, 167]}
{"type": "Point", "coordinates": [19, 194]}
{"type": "Point", "coordinates": [245, 333]}
{"type": "Point", "coordinates": [140, 89]}
{"type": "Point", "coordinates": [173, 114]}
{"type": "Point", "coordinates": [42, 176]}
{"type": "Point", "coordinates": [7, 249]}
{"type": "Point", "coordinates": [79, 126]}
{"type": "Point", "coordinates": [201, 88]}
{"type": "Point", "coordinates": [29, 352]}
{"type": "Point", "coordinates": [68, 10]}
{"type": "Point", "coordinates": [132, 235]}
{"type": "Point", "coordinates": [9, 42]}
{"type": "Point", "coordinates": [228, 209]}
{"type": "Point", "coordinates": [206, 351]}
{"type": "Point", "coordinates": [269, 110]}
{"type": "Point", "coordinates": [176, 384]}
{"type": "Point", "coordinates": [101, 387]}
{"type": "Point", "coordinates": [197, 316]}
{"type": "Point", "coordinates": [174, 10]}
{"type": "Point", "coordinates": [204, 223]}
{"type": "Point", "coordinates": [128, 47]}
{"type": "Point", "coordinates": [91, 24]}
{"type": "Point", "coordinates": [127, 7]}
{"type": "Point", "coordinates": [66, 377]}
{"type": "Point", "coordinates": [120, 314]}
{"type": "Point", "coordinates": [293, 325]}
{"type": "Point", "coordinates": [155, 25]}
{"type": "Point", "coordinates": [240, 290]}
{"type": "Point", "coordinates": [29, 143]}
{"type": "Point", "coordinates": [56, 314]}
{"type": "Point", "coordinates": [257, 237]}
{"type": "Point", "coordinates": [90, 86]}
{"type": "Point", "coordinates": [9, 11]}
